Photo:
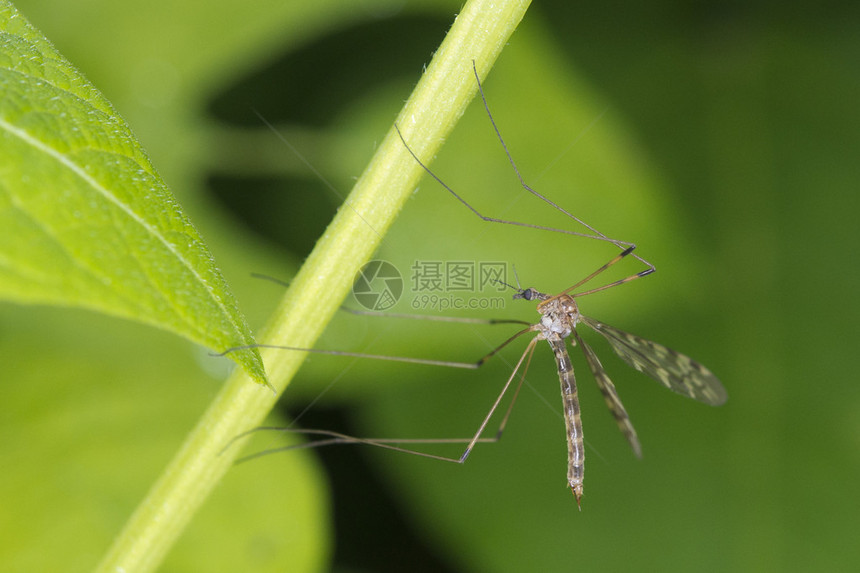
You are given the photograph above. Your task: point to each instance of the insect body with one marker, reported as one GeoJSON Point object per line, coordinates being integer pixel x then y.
{"type": "Point", "coordinates": [559, 318]}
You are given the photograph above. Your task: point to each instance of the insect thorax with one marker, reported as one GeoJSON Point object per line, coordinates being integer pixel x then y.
{"type": "Point", "coordinates": [559, 316]}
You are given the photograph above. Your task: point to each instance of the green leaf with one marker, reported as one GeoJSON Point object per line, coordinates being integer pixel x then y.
{"type": "Point", "coordinates": [86, 220]}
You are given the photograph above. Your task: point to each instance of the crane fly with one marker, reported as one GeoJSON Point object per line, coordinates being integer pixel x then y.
{"type": "Point", "coordinates": [559, 318]}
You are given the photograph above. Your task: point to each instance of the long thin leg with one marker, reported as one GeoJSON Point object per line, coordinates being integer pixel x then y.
{"type": "Point", "coordinates": [433, 317]}
{"type": "Point", "coordinates": [527, 187]}
{"type": "Point", "coordinates": [483, 217]}
{"type": "Point", "coordinates": [336, 438]}
{"type": "Point", "coordinates": [333, 438]}
{"type": "Point", "coordinates": [611, 262]}
{"type": "Point", "coordinates": [595, 233]}
{"type": "Point", "coordinates": [406, 359]}
{"type": "Point", "coordinates": [519, 387]}
{"type": "Point", "coordinates": [527, 353]}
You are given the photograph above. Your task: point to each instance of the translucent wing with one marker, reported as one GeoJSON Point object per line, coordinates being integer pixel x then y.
{"type": "Point", "coordinates": [674, 370]}
{"type": "Point", "coordinates": [607, 388]}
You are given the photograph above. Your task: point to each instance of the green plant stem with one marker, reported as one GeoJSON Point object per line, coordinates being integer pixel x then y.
{"type": "Point", "coordinates": [479, 33]}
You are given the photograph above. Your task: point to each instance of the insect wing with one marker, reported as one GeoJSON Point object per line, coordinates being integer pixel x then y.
{"type": "Point", "coordinates": [674, 370]}
{"type": "Point", "coordinates": [607, 388]}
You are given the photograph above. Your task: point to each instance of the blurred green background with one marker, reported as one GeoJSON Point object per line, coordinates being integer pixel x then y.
{"type": "Point", "coordinates": [721, 138]}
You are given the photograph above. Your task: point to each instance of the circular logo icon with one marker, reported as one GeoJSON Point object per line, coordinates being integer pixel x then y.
{"type": "Point", "coordinates": [378, 285]}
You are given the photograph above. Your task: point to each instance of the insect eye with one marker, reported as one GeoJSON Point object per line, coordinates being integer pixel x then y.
{"type": "Point", "coordinates": [529, 294]}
